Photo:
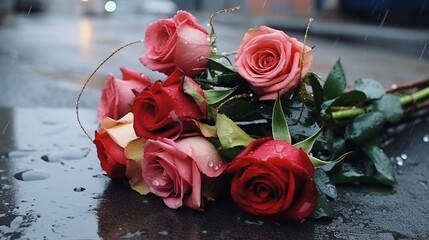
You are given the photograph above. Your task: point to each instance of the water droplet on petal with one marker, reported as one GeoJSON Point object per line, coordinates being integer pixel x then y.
{"type": "Point", "coordinates": [279, 147]}
{"type": "Point", "coordinates": [211, 164]}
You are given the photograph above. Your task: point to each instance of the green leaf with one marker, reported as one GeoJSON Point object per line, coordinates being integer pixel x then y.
{"type": "Point", "coordinates": [336, 82]}
{"type": "Point", "coordinates": [228, 79]}
{"type": "Point", "coordinates": [189, 87]}
{"type": "Point", "coordinates": [279, 125]}
{"type": "Point", "coordinates": [217, 66]}
{"type": "Point", "coordinates": [229, 134]}
{"type": "Point", "coordinates": [323, 208]}
{"type": "Point", "coordinates": [302, 123]}
{"type": "Point", "coordinates": [307, 144]}
{"type": "Point", "coordinates": [206, 130]}
{"type": "Point", "coordinates": [317, 91]}
{"type": "Point", "coordinates": [381, 162]}
{"type": "Point", "coordinates": [390, 106]}
{"type": "Point", "coordinates": [372, 88]}
{"type": "Point", "coordinates": [324, 184]}
{"type": "Point", "coordinates": [346, 173]}
{"type": "Point", "coordinates": [365, 127]}
{"type": "Point", "coordinates": [352, 98]}
{"type": "Point", "coordinates": [320, 163]}
{"type": "Point", "coordinates": [230, 153]}
{"type": "Point", "coordinates": [214, 96]}
{"type": "Point", "coordinates": [240, 110]}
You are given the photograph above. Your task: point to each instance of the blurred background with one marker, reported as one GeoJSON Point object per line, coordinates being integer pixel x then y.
{"type": "Point", "coordinates": [54, 45]}
{"type": "Point", "coordinates": [413, 13]}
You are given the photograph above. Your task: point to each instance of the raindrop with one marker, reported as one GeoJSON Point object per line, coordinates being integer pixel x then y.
{"type": "Point", "coordinates": [6, 186]}
{"type": "Point", "coordinates": [20, 153]}
{"type": "Point", "coordinates": [79, 189]}
{"type": "Point", "coordinates": [204, 231]}
{"type": "Point", "coordinates": [399, 161]}
{"type": "Point", "coordinates": [279, 148]}
{"type": "Point", "coordinates": [134, 235]}
{"type": "Point", "coordinates": [423, 51]}
{"type": "Point", "coordinates": [31, 175]}
{"type": "Point", "coordinates": [259, 223]}
{"type": "Point", "coordinates": [211, 164]}
{"type": "Point", "coordinates": [404, 156]}
{"type": "Point", "coordinates": [359, 212]}
{"type": "Point", "coordinates": [426, 138]}
{"type": "Point", "coordinates": [5, 127]}
{"type": "Point", "coordinates": [424, 184]}
{"type": "Point", "coordinates": [29, 10]}
{"type": "Point", "coordinates": [384, 18]}
{"type": "Point", "coordinates": [50, 123]}
{"type": "Point", "coordinates": [13, 226]}
{"type": "Point", "coordinates": [99, 176]}
{"type": "Point", "coordinates": [155, 183]}
{"type": "Point", "coordinates": [72, 154]}
{"type": "Point", "coordinates": [163, 233]}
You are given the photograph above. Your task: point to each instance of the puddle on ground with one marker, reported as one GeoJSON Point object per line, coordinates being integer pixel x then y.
{"type": "Point", "coordinates": [31, 175]}
{"type": "Point", "coordinates": [66, 155]}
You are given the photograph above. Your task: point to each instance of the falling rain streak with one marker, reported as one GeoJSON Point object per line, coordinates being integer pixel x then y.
{"type": "Point", "coordinates": [423, 51]}
{"type": "Point", "coordinates": [5, 127]}
{"type": "Point", "coordinates": [384, 18]}
{"type": "Point", "coordinates": [29, 10]}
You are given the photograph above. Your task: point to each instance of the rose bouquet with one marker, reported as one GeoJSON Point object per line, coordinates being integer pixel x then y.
{"type": "Point", "coordinates": [257, 124]}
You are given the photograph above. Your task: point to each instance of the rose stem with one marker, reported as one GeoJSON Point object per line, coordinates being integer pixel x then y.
{"type": "Point", "coordinates": [406, 100]}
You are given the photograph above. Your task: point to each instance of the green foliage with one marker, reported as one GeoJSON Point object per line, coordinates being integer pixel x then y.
{"type": "Point", "coordinates": [364, 128]}
{"type": "Point", "coordinates": [372, 88]}
{"type": "Point", "coordinates": [335, 83]}
{"type": "Point", "coordinates": [352, 121]}
{"type": "Point", "coordinates": [279, 125]}
{"type": "Point", "coordinates": [390, 106]}
{"type": "Point", "coordinates": [382, 164]}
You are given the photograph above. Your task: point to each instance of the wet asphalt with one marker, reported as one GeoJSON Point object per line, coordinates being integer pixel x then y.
{"type": "Point", "coordinates": [45, 59]}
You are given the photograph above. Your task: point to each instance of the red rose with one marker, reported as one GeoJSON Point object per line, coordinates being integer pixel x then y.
{"type": "Point", "coordinates": [272, 178]}
{"type": "Point", "coordinates": [270, 61]}
{"type": "Point", "coordinates": [117, 94]}
{"type": "Point", "coordinates": [177, 43]}
{"type": "Point", "coordinates": [110, 141]}
{"type": "Point", "coordinates": [164, 110]}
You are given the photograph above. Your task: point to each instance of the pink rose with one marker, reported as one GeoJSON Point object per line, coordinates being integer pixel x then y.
{"type": "Point", "coordinates": [270, 61]}
{"type": "Point", "coordinates": [176, 171]}
{"type": "Point", "coordinates": [117, 94]}
{"type": "Point", "coordinates": [178, 43]}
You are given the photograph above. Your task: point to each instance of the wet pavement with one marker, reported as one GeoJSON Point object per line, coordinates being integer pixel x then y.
{"type": "Point", "coordinates": [53, 188]}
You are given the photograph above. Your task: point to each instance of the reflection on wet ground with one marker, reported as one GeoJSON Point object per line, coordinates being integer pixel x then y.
{"type": "Point", "coordinates": [52, 187]}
